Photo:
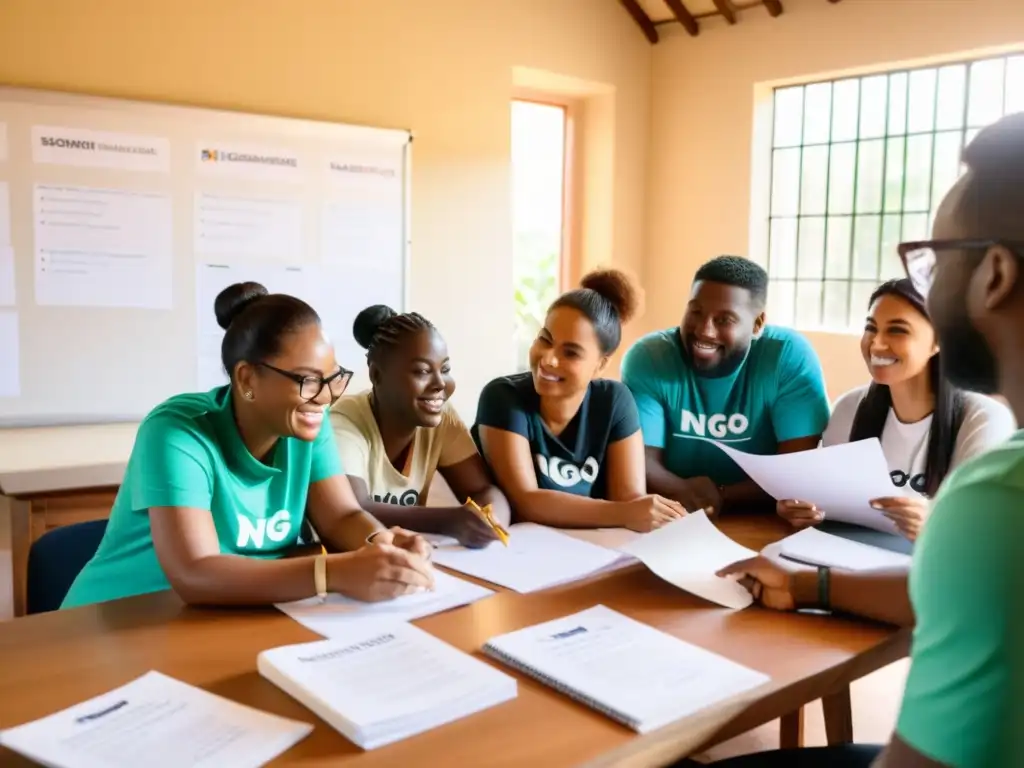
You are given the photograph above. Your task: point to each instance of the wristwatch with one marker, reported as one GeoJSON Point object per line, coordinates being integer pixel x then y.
{"type": "Point", "coordinates": [824, 588]}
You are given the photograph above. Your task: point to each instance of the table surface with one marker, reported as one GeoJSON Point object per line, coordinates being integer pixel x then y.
{"type": "Point", "coordinates": [52, 661]}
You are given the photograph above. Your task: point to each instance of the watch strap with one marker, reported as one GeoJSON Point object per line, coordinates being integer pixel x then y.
{"type": "Point", "coordinates": [824, 587]}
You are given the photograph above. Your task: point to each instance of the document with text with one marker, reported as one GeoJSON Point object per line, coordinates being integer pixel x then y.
{"type": "Point", "coordinates": [633, 673]}
{"type": "Point", "coordinates": [157, 722]}
{"type": "Point", "coordinates": [815, 547]}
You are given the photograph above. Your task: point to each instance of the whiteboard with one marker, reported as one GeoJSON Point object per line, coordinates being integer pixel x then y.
{"type": "Point", "coordinates": [120, 221]}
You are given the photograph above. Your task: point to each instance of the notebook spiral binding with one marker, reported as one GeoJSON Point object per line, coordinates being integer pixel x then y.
{"type": "Point", "coordinates": [572, 693]}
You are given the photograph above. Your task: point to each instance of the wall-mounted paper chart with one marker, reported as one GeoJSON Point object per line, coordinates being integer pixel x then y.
{"type": "Point", "coordinates": [299, 281]}
{"type": "Point", "coordinates": [102, 247]}
{"type": "Point", "coordinates": [10, 371]}
{"type": "Point", "coordinates": [248, 227]}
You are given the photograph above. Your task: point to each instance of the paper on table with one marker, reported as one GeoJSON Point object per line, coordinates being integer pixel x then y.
{"type": "Point", "coordinates": [840, 479]}
{"type": "Point", "coordinates": [639, 675]}
{"type": "Point", "coordinates": [816, 547]}
{"type": "Point", "coordinates": [158, 722]}
{"type": "Point", "coordinates": [10, 371]}
{"type": "Point", "coordinates": [337, 614]}
{"type": "Point", "coordinates": [535, 558]}
{"type": "Point", "coordinates": [8, 297]}
{"type": "Point", "coordinates": [688, 553]}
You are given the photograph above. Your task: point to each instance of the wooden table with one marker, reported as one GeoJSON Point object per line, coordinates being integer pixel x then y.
{"type": "Point", "coordinates": [54, 660]}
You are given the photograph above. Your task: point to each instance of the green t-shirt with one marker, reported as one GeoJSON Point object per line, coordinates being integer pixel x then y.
{"type": "Point", "coordinates": [964, 701]}
{"type": "Point", "coordinates": [188, 453]}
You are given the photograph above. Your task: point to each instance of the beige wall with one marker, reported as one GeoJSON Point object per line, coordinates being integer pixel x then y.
{"type": "Point", "coordinates": [443, 68]}
{"type": "Point", "coordinates": [699, 186]}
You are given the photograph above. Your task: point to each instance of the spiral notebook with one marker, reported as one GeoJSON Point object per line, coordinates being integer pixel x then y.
{"type": "Point", "coordinates": [635, 674]}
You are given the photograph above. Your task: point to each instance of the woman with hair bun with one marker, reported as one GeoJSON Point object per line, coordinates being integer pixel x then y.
{"type": "Point", "coordinates": [219, 483]}
{"type": "Point", "coordinates": [395, 437]}
{"type": "Point", "coordinates": [564, 444]}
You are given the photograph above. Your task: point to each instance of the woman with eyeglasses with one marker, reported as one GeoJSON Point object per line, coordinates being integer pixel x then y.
{"type": "Point", "coordinates": [219, 482]}
{"type": "Point", "coordinates": [397, 436]}
{"type": "Point", "coordinates": [926, 426]}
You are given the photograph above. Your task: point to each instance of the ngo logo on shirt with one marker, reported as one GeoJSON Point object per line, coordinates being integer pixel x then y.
{"type": "Point", "coordinates": [565, 474]}
{"type": "Point", "coordinates": [901, 478]}
{"type": "Point", "coordinates": [254, 533]}
{"type": "Point", "coordinates": [727, 428]}
{"type": "Point", "coordinates": [409, 498]}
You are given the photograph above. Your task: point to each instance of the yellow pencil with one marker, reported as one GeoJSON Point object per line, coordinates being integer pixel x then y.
{"type": "Point", "coordinates": [487, 516]}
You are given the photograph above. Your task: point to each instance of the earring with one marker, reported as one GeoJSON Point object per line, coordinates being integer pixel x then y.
{"type": "Point", "coordinates": [249, 395]}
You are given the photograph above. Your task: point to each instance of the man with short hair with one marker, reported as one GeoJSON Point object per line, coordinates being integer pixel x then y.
{"type": "Point", "coordinates": [723, 374]}
{"type": "Point", "coordinates": [964, 700]}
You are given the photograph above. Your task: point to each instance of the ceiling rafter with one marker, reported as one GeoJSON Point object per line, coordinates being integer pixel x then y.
{"type": "Point", "coordinates": [642, 20]}
{"type": "Point", "coordinates": [683, 16]}
{"type": "Point", "coordinates": [726, 11]}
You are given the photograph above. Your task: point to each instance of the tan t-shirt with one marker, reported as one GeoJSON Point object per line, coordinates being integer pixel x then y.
{"type": "Point", "coordinates": [362, 451]}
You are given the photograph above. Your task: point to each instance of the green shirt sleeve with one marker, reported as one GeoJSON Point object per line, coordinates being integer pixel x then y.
{"type": "Point", "coordinates": [325, 461]}
{"type": "Point", "coordinates": [170, 466]}
{"type": "Point", "coordinates": [642, 381]}
{"type": "Point", "coordinates": [966, 659]}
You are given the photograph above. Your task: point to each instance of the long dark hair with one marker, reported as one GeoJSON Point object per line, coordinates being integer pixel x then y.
{"type": "Point", "coordinates": [949, 401]}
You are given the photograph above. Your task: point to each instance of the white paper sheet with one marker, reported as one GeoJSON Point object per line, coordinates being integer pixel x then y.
{"type": "Point", "coordinates": [5, 213]}
{"type": "Point", "coordinates": [815, 547]}
{"type": "Point", "coordinates": [248, 161]}
{"type": "Point", "coordinates": [380, 682]}
{"type": "Point", "coordinates": [245, 227]}
{"type": "Point", "coordinates": [688, 552]}
{"type": "Point", "coordinates": [3, 142]}
{"type": "Point", "coordinates": [8, 295]}
{"type": "Point", "coordinates": [10, 361]}
{"type": "Point", "coordinates": [346, 291]}
{"type": "Point", "coordinates": [102, 247]}
{"type": "Point", "coordinates": [365, 231]}
{"type": "Point", "coordinates": [87, 148]}
{"type": "Point", "coordinates": [301, 281]}
{"type": "Point", "coordinates": [642, 676]}
{"type": "Point", "coordinates": [158, 722]}
{"type": "Point", "coordinates": [335, 616]}
{"type": "Point", "coordinates": [841, 479]}
{"type": "Point", "coordinates": [535, 558]}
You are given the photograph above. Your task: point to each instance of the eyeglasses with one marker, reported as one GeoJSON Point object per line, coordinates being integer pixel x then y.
{"type": "Point", "coordinates": [919, 257]}
{"type": "Point", "coordinates": [310, 387]}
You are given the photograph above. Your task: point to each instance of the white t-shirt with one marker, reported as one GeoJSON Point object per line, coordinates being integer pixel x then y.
{"type": "Point", "coordinates": [362, 453]}
{"type": "Point", "coordinates": [986, 423]}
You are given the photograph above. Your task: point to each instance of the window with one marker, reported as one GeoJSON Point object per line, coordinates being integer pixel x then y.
{"type": "Point", "coordinates": [859, 165]}
{"type": "Point", "coordinates": [538, 182]}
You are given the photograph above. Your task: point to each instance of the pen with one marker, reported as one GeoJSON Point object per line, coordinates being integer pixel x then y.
{"type": "Point", "coordinates": [486, 515]}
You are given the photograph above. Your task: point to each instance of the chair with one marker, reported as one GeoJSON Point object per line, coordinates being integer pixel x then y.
{"type": "Point", "coordinates": [55, 560]}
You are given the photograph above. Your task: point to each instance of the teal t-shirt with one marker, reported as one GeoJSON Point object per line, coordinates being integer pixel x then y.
{"type": "Point", "coordinates": [964, 701]}
{"type": "Point", "coordinates": [776, 394]}
{"type": "Point", "coordinates": [188, 453]}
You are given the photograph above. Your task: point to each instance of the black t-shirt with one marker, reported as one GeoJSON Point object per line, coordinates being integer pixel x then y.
{"type": "Point", "coordinates": [574, 461]}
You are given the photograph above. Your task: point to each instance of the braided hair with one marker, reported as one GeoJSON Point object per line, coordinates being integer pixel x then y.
{"type": "Point", "coordinates": [379, 329]}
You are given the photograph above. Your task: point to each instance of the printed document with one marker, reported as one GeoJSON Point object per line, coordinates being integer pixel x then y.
{"type": "Point", "coordinates": [337, 613]}
{"type": "Point", "coordinates": [638, 675]}
{"type": "Point", "coordinates": [815, 547]}
{"type": "Point", "coordinates": [157, 722]}
{"type": "Point", "coordinates": [841, 480]}
{"type": "Point", "coordinates": [535, 558]}
{"type": "Point", "coordinates": [688, 552]}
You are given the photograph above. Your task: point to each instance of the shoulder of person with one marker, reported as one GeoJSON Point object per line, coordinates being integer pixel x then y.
{"type": "Point", "coordinates": [353, 409]}
{"type": "Point", "coordinates": [609, 390]}
{"type": "Point", "coordinates": [785, 345]}
{"type": "Point", "coordinates": [450, 417]}
{"type": "Point", "coordinates": [848, 402]}
{"type": "Point", "coordinates": [507, 389]}
{"type": "Point", "coordinates": [186, 413]}
{"type": "Point", "coordinates": [1001, 466]}
{"type": "Point", "coordinates": [652, 349]}
{"type": "Point", "coordinates": [982, 410]}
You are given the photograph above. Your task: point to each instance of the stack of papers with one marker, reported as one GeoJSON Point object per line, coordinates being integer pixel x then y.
{"type": "Point", "coordinates": [535, 558]}
{"type": "Point", "coordinates": [633, 673]}
{"type": "Point", "coordinates": [815, 547]}
{"type": "Point", "coordinates": [337, 613]}
{"type": "Point", "coordinates": [378, 684]}
{"type": "Point", "coordinates": [688, 553]}
{"type": "Point", "coordinates": [157, 722]}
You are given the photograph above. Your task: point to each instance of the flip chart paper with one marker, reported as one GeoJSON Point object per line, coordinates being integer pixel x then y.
{"type": "Point", "coordinates": [841, 480]}
{"type": "Point", "coordinates": [688, 553]}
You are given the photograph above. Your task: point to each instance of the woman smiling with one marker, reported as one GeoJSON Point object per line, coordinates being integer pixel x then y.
{"type": "Point", "coordinates": [926, 426]}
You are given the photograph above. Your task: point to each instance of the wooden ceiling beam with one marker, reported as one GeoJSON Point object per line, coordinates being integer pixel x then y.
{"type": "Point", "coordinates": [726, 10]}
{"type": "Point", "coordinates": [642, 19]}
{"type": "Point", "coordinates": [774, 7]}
{"type": "Point", "coordinates": [683, 16]}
